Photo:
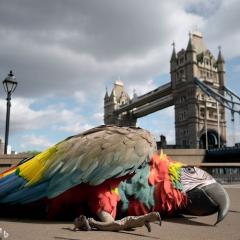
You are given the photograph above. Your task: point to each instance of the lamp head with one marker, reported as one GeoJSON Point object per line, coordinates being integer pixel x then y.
{"type": "Point", "coordinates": [10, 83]}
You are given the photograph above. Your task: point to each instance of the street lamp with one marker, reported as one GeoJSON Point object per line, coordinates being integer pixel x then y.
{"type": "Point", "coordinates": [9, 85]}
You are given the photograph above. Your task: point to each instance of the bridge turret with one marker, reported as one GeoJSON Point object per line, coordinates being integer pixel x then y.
{"type": "Point", "coordinates": [221, 68]}
{"type": "Point", "coordinates": [220, 59]}
{"type": "Point", "coordinates": [190, 46]}
{"type": "Point", "coordinates": [191, 50]}
{"type": "Point", "coordinates": [117, 98]}
{"type": "Point", "coordinates": [109, 107]}
{"type": "Point", "coordinates": [112, 97]}
{"type": "Point", "coordinates": [173, 60]}
{"type": "Point", "coordinates": [106, 98]}
{"type": "Point", "coordinates": [173, 66]}
{"type": "Point", "coordinates": [191, 104]}
{"type": "Point", "coordinates": [191, 57]}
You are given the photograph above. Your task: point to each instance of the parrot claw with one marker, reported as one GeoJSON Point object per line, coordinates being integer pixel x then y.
{"type": "Point", "coordinates": [148, 226]}
{"type": "Point", "coordinates": [82, 223]}
{"type": "Point", "coordinates": [154, 216]}
{"type": "Point", "coordinates": [159, 219]}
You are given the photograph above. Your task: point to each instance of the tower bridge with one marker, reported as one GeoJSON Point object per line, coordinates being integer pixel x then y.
{"type": "Point", "coordinates": [150, 102]}
{"type": "Point", "coordinates": [197, 91]}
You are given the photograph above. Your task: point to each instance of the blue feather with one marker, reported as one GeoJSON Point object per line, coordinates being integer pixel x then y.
{"type": "Point", "coordinates": [10, 184]}
{"type": "Point", "coordinates": [26, 195]}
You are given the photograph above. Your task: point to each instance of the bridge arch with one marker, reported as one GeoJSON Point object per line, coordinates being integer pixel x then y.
{"type": "Point", "coordinates": [212, 139]}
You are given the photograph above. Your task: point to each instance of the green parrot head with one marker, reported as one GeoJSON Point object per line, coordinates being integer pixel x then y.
{"type": "Point", "coordinates": [205, 195]}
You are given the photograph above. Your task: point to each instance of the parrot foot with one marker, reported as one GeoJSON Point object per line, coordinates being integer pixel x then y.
{"type": "Point", "coordinates": [126, 223]}
{"type": "Point", "coordinates": [152, 217]}
{"type": "Point", "coordinates": [81, 223]}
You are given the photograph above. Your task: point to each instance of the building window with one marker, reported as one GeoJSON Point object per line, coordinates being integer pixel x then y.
{"type": "Point", "coordinates": [185, 132]}
{"type": "Point", "coordinates": [182, 99]}
{"type": "Point", "coordinates": [184, 115]}
{"type": "Point", "coordinates": [202, 112]}
{"type": "Point", "coordinates": [181, 60]}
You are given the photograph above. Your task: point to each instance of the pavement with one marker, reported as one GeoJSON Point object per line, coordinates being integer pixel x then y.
{"type": "Point", "coordinates": [181, 228]}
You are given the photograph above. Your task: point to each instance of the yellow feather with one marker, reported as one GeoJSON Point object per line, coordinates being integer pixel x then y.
{"type": "Point", "coordinates": [115, 190]}
{"type": "Point", "coordinates": [34, 169]}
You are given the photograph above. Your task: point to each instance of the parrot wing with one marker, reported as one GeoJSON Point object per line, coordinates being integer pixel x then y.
{"type": "Point", "coordinates": [91, 157]}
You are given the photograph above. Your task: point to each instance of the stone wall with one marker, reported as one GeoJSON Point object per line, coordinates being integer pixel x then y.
{"type": "Point", "coordinates": [193, 157]}
{"type": "Point", "coordinates": [6, 161]}
{"type": "Point", "coordinates": [187, 156]}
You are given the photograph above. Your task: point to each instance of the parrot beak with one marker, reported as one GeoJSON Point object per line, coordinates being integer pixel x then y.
{"type": "Point", "coordinates": [208, 199]}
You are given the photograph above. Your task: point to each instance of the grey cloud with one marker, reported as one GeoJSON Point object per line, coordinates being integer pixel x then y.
{"type": "Point", "coordinates": [100, 28]}
{"type": "Point", "coordinates": [56, 47]}
{"type": "Point", "coordinates": [222, 28]}
{"type": "Point", "coordinates": [59, 47]}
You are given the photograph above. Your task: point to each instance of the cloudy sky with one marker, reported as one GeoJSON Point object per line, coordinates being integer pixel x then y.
{"type": "Point", "coordinates": [64, 54]}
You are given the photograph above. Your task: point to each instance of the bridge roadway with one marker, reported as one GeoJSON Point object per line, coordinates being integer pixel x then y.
{"type": "Point", "coordinates": [153, 106]}
{"type": "Point", "coordinates": [150, 102]}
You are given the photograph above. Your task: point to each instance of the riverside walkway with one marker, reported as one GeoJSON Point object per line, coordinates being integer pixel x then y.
{"type": "Point", "coordinates": [182, 228]}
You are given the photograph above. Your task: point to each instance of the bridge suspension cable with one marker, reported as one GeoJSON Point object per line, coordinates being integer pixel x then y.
{"type": "Point", "coordinates": [233, 104]}
{"type": "Point", "coordinates": [229, 100]}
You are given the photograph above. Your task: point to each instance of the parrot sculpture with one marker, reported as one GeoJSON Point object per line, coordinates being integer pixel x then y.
{"type": "Point", "coordinates": [108, 172]}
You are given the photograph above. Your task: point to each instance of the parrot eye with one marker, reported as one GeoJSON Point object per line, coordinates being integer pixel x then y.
{"type": "Point", "coordinates": [190, 169]}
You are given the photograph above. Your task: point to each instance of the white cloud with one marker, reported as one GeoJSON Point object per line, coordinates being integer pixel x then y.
{"type": "Point", "coordinates": [98, 116]}
{"type": "Point", "coordinates": [75, 128]}
{"type": "Point", "coordinates": [80, 45]}
{"type": "Point", "coordinates": [222, 28]}
{"type": "Point", "coordinates": [80, 96]}
{"type": "Point", "coordinates": [24, 118]}
{"type": "Point", "coordinates": [160, 123]}
{"type": "Point", "coordinates": [77, 47]}
{"type": "Point", "coordinates": [141, 88]}
{"type": "Point", "coordinates": [33, 142]}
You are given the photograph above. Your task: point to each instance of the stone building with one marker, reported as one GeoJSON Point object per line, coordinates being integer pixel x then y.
{"type": "Point", "coordinates": [118, 97]}
{"type": "Point", "coordinates": [198, 117]}
{"type": "Point", "coordinates": [194, 111]}
{"type": "Point", "coordinates": [1, 146]}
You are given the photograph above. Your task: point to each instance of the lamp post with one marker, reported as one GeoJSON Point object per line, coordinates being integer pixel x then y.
{"type": "Point", "coordinates": [9, 85]}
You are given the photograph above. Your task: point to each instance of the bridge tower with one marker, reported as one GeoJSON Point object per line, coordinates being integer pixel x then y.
{"type": "Point", "coordinates": [118, 97]}
{"type": "Point", "coordinates": [196, 114]}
